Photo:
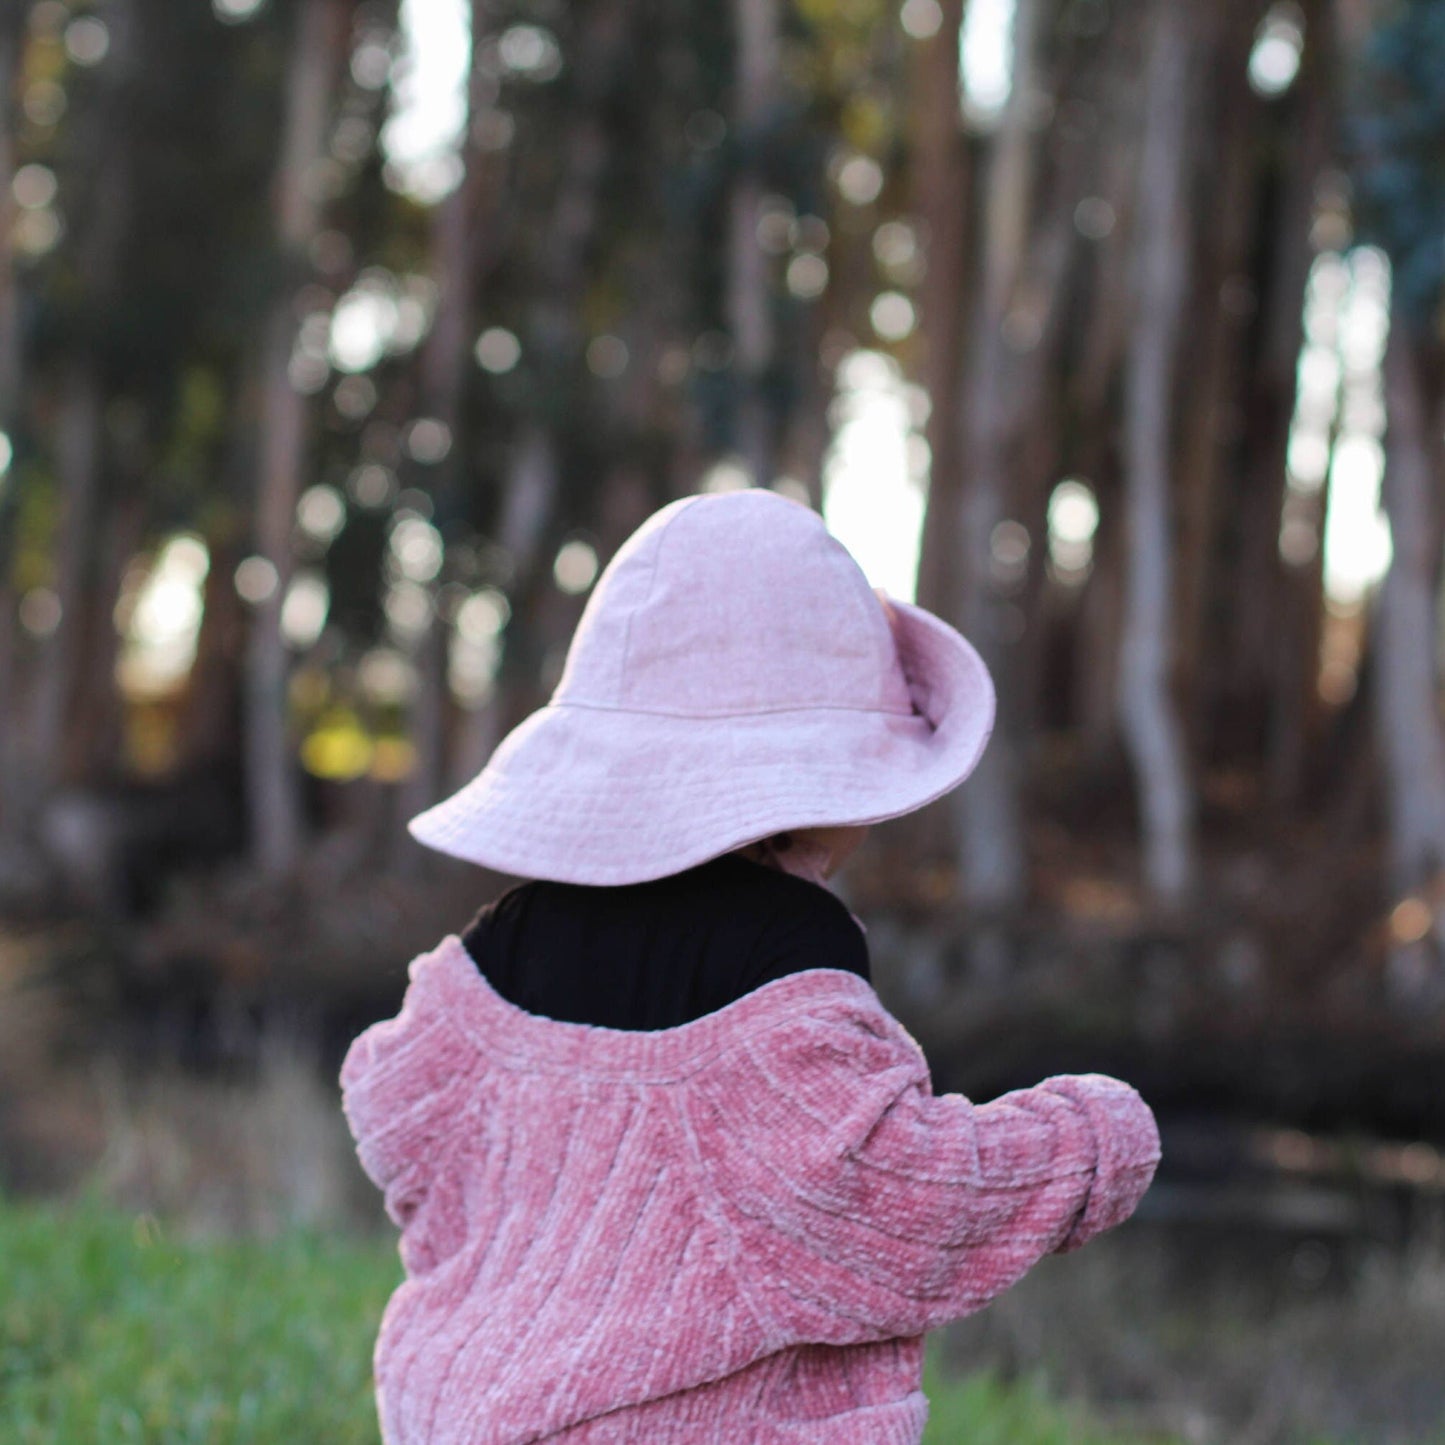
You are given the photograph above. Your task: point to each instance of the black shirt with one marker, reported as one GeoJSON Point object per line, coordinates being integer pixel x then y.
{"type": "Point", "coordinates": [658, 954]}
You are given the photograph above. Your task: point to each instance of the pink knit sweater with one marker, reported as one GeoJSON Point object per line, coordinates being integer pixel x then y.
{"type": "Point", "coordinates": [736, 1230]}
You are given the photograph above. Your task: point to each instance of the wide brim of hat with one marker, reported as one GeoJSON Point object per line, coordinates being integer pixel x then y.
{"type": "Point", "coordinates": [601, 795]}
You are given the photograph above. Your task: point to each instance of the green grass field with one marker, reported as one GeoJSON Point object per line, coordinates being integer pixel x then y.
{"type": "Point", "coordinates": [111, 1331]}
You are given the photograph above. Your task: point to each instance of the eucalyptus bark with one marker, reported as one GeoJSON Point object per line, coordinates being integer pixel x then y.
{"type": "Point", "coordinates": [80, 437]}
{"type": "Point", "coordinates": [461, 229]}
{"type": "Point", "coordinates": [273, 789]}
{"type": "Point", "coordinates": [12, 768]}
{"type": "Point", "coordinates": [939, 181]}
{"type": "Point", "coordinates": [1407, 638]}
{"type": "Point", "coordinates": [749, 292]}
{"type": "Point", "coordinates": [1148, 713]}
{"type": "Point", "coordinates": [528, 526]}
{"type": "Point", "coordinates": [990, 817]}
{"type": "Point", "coordinates": [1221, 312]}
{"type": "Point", "coordinates": [940, 187]}
{"type": "Point", "coordinates": [1287, 655]}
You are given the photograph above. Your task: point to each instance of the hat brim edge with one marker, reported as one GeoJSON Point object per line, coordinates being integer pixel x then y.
{"type": "Point", "coordinates": [491, 824]}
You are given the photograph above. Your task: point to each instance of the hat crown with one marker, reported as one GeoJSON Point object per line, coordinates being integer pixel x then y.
{"type": "Point", "coordinates": [732, 604]}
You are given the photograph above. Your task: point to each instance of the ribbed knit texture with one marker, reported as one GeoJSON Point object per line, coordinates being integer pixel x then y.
{"type": "Point", "coordinates": [736, 1230]}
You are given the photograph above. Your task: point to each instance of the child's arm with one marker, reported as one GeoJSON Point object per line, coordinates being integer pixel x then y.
{"type": "Point", "coordinates": [407, 1084]}
{"type": "Point", "coordinates": [884, 1210]}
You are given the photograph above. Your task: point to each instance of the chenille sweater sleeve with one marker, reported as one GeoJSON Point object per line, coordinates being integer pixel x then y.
{"type": "Point", "coordinates": [867, 1206]}
{"type": "Point", "coordinates": [409, 1091]}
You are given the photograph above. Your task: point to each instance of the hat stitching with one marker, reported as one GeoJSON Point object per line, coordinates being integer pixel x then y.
{"type": "Point", "coordinates": [651, 583]}
{"type": "Point", "coordinates": [748, 712]}
{"type": "Point", "coordinates": [525, 816]}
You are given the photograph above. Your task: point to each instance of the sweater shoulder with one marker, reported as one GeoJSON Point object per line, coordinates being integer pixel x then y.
{"type": "Point", "coordinates": [843, 1038]}
{"type": "Point", "coordinates": [425, 1022]}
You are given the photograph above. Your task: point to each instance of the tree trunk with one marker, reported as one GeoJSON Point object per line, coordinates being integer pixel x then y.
{"type": "Point", "coordinates": [78, 469]}
{"type": "Point", "coordinates": [940, 185]}
{"type": "Point", "coordinates": [1292, 678]}
{"type": "Point", "coordinates": [1148, 714]}
{"type": "Point", "coordinates": [12, 26]}
{"type": "Point", "coordinates": [749, 296]}
{"type": "Point", "coordinates": [1407, 711]}
{"type": "Point", "coordinates": [461, 225]}
{"type": "Point", "coordinates": [1221, 321]}
{"type": "Point", "coordinates": [1252, 687]}
{"type": "Point", "coordinates": [80, 442]}
{"type": "Point", "coordinates": [98, 730]}
{"type": "Point", "coordinates": [989, 816]}
{"type": "Point", "coordinates": [273, 793]}
{"type": "Point", "coordinates": [1098, 647]}
{"type": "Point", "coordinates": [940, 188]}
{"type": "Point", "coordinates": [529, 505]}
{"type": "Point", "coordinates": [209, 722]}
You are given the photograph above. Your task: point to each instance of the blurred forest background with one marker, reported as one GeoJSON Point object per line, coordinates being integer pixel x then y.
{"type": "Point", "coordinates": [342, 342]}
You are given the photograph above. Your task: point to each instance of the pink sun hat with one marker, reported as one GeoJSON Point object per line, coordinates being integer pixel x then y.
{"type": "Point", "coordinates": [733, 676]}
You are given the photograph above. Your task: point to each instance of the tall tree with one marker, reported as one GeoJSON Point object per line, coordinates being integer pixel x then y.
{"type": "Point", "coordinates": [940, 166]}
{"type": "Point", "coordinates": [1147, 708]}
{"type": "Point", "coordinates": [992, 843]}
{"type": "Point", "coordinates": [463, 227]}
{"type": "Point", "coordinates": [316, 61]}
{"type": "Point", "coordinates": [1289, 669]}
{"type": "Point", "coordinates": [1220, 308]}
{"type": "Point", "coordinates": [1407, 686]}
{"type": "Point", "coordinates": [532, 496]}
{"type": "Point", "coordinates": [104, 173]}
{"type": "Point", "coordinates": [1398, 141]}
{"type": "Point", "coordinates": [750, 289]}
{"type": "Point", "coordinates": [12, 29]}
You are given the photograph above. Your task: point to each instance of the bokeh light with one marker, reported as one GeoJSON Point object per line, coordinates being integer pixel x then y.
{"type": "Point", "coordinates": [986, 59]}
{"type": "Point", "coordinates": [40, 611]}
{"type": "Point", "coordinates": [498, 350]}
{"type": "Point", "coordinates": [860, 179]}
{"type": "Point", "coordinates": [921, 18]}
{"type": "Point", "coordinates": [530, 51]}
{"type": "Point", "coordinates": [1073, 519]}
{"type": "Point", "coordinates": [807, 276]}
{"type": "Point", "coordinates": [34, 186]}
{"type": "Point", "coordinates": [372, 486]}
{"type": "Point", "coordinates": [893, 316]}
{"type": "Point", "coordinates": [256, 580]}
{"type": "Point", "coordinates": [321, 513]}
{"type": "Point", "coordinates": [428, 440]}
{"type": "Point", "coordinates": [161, 620]}
{"type": "Point", "coordinates": [575, 567]}
{"type": "Point", "coordinates": [304, 612]}
{"type": "Point", "coordinates": [87, 40]}
{"type": "Point", "coordinates": [430, 99]}
{"type": "Point", "coordinates": [416, 548]}
{"type": "Point", "coordinates": [874, 480]}
{"type": "Point", "coordinates": [236, 12]}
{"type": "Point", "coordinates": [1275, 60]}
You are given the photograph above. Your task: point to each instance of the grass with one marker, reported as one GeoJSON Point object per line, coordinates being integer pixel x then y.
{"type": "Point", "coordinates": [980, 1410]}
{"type": "Point", "coordinates": [111, 1330]}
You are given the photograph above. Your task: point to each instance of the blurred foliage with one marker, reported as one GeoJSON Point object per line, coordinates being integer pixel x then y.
{"type": "Point", "coordinates": [388, 406]}
{"type": "Point", "coordinates": [1396, 135]}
